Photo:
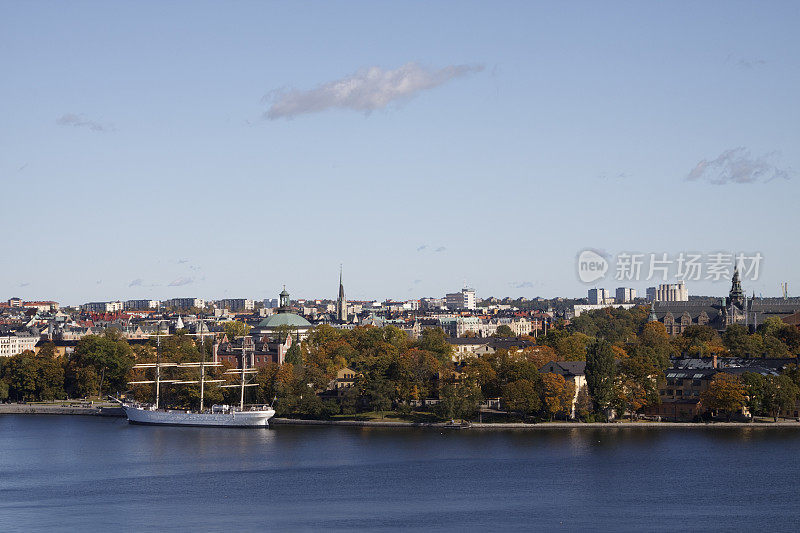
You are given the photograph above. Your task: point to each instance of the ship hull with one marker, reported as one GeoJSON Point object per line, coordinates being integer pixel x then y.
{"type": "Point", "coordinates": [237, 419]}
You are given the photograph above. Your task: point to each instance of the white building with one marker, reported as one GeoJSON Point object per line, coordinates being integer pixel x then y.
{"type": "Point", "coordinates": [102, 307]}
{"type": "Point", "coordinates": [17, 342]}
{"type": "Point", "coordinates": [461, 300]}
{"type": "Point", "coordinates": [582, 308]}
{"type": "Point", "coordinates": [599, 297]}
{"type": "Point", "coordinates": [672, 292]}
{"type": "Point", "coordinates": [625, 295]}
{"type": "Point", "coordinates": [186, 303]}
{"type": "Point", "coordinates": [136, 305]}
{"type": "Point", "coordinates": [237, 304]}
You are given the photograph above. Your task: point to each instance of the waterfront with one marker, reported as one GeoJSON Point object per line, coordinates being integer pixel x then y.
{"type": "Point", "coordinates": [62, 473]}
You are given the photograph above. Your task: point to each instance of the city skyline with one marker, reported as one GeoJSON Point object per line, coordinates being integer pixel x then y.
{"type": "Point", "coordinates": [156, 151]}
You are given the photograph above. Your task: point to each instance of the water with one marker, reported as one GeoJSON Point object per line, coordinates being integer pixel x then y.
{"type": "Point", "coordinates": [88, 473]}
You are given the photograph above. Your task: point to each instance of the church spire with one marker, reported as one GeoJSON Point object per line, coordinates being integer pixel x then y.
{"type": "Point", "coordinates": [736, 294]}
{"type": "Point", "coordinates": [341, 302]}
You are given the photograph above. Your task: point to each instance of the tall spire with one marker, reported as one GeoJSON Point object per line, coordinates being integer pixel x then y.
{"type": "Point", "coordinates": [341, 302]}
{"type": "Point", "coordinates": [736, 294]}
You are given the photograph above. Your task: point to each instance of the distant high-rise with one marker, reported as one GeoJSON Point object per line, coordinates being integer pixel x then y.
{"type": "Point", "coordinates": [625, 295]}
{"type": "Point", "coordinates": [461, 300]}
{"type": "Point", "coordinates": [670, 292]}
{"type": "Point", "coordinates": [599, 297]}
{"type": "Point", "coordinates": [341, 302]}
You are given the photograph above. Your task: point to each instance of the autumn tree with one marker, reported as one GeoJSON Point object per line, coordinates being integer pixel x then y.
{"type": "Point", "coordinates": [557, 394]}
{"type": "Point", "coordinates": [236, 328]}
{"type": "Point", "coordinates": [725, 394]}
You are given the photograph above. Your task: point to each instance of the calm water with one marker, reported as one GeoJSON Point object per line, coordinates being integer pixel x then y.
{"type": "Point", "coordinates": [68, 473]}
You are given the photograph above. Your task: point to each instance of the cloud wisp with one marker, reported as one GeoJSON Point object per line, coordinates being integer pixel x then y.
{"type": "Point", "coordinates": [80, 121]}
{"type": "Point", "coordinates": [138, 282]}
{"type": "Point", "coordinates": [367, 90]}
{"type": "Point", "coordinates": [180, 282]}
{"type": "Point", "coordinates": [737, 165]}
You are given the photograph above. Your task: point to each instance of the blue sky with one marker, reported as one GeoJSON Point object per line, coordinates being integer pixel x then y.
{"type": "Point", "coordinates": [163, 149]}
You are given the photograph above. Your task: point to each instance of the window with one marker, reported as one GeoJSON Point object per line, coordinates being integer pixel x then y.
{"type": "Point", "coordinates": [696, 382]}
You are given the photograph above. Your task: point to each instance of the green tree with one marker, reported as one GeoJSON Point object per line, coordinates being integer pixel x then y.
{"type": "Point", "coordinates": [521, 396]}
{"type": "Point", "coordinates": [504, 331]}
{"type": "Point", "coordinates": [434, 340]}
{"type": "Point", "coordinates": [458, 398]}
{"type": "Point", "coordinates": [600, 375]}
{"type": "Point", "coordinates": [109, 355]}
{"type": "Point", "coordinates": [294, 355]}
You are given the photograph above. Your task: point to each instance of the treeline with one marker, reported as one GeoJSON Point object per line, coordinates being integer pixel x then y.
{"type": "Point", "coordinates": [99, 365]}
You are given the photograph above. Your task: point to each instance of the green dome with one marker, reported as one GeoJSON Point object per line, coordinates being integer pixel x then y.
{"type": "Point", "coordinates": [284, 319]}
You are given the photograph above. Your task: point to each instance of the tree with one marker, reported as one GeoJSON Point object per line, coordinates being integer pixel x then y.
{"type": "Point", "coordinates": [434, 340]}
{"type": "Point", "coordinates": [294, 355]}
{"type": "Point", "coordinates": [458, 398]}
{"type": "Point", "coordinates": [572, 347]}
{"type": "Point", "coordinates": [780, 394]}
{"type": "Point", "coordinates": [236, 328]}
{"type": "Point", "coordinates": [557, 394]}
{"type": "Point", "coordinates": [109, 355]}
{"type": "Point", "coordinates": [725, 394]}
{"type": "Point", "coordinates": [600, 372]}
{"type": "Point", "coordinates": [504, 331]}
{"type": "Point", "coordinates": [521, 396]}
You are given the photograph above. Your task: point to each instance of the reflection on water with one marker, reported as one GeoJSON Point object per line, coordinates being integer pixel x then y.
{"type": "Point", "coordinates": [65, 472]}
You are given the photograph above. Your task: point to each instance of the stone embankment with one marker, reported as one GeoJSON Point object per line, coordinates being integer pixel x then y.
{"type": "Point", "coordinates": [60, 409]}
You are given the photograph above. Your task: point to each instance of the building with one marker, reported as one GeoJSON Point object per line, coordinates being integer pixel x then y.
{"type": "Point", "coordinates": [578, 309]}
{"type": "Point", "coordinates": [15, 302]}
{"type": "Point", "coordinates": [237, 304]}
{"type": "Point", "coordinates": [599, 297]}
{"type": "Point", "coordinates": [735, 309]}
{"type": "Point", "coordinates": [625, 295]}
{"type": "Point", "coordinates": [102, 307]}
{"type": "Point", "coordinates": [461, 300]}
{"type": "Point", "coordinates": [185, 303]}
{"type": "Point", "coordinates": [341, 302]}
{"type": "Point", "coordinates": [17, 342]}
{"type": "Point", "coordinates": [672, 292]}
{"type": "Point", "coordinates": [283, 320]}
{"type": "Point", "coordinates": [141, 305]}
{"type": "Point", "coordinates": [574, 371]}
{"type": "Point", "coordinates": [650, 294]}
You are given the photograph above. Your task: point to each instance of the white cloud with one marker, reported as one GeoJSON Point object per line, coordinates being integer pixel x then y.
{"type": "Point", "coordinates": [365, 91]}
{"type": "Point", "coordinates": [180, 282]}
{"type": "Point", "coordinates": [80, 121]}
{"type": "Point", "coordinates": [738, 166]}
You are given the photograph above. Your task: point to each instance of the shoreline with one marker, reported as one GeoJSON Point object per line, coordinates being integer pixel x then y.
{"type": "Point", "coordinates": [113, 411]}
{"type": "Point", "coordinates": [28, 409]}
{"type": "Point", "coordinates": [543, 426]}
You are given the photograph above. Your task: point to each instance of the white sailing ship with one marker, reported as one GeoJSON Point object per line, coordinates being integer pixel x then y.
{"type": "Point", "coordinates": [242, 416]}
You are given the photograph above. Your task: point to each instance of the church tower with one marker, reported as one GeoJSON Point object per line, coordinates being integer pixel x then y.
{"type": "Point", "coordinates": [341, 302]}
{"type": "Point", "coordinates": [736, 294]}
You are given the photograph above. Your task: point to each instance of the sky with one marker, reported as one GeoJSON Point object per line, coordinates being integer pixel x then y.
{"type": "Point", "coordinates": [222, 150]}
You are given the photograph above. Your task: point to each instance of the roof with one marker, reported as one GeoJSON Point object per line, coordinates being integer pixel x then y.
{"type": "Point", "coordinates": [284, 319]}
{"type": "Point", "coordinates": [574, 368]}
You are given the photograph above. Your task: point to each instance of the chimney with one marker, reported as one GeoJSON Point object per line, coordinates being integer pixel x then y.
{"type": "Point", "coordinates": [714, 361]}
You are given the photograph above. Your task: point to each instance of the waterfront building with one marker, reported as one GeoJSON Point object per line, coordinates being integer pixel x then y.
{"type": "Point", "coordinates": [574, 371]}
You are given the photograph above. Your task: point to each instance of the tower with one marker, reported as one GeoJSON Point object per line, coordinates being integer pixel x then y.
{"type": "Point", "coordinates": [736, 294]}
{"type": "Point", "coordinates": [284, 301]}
{"type": "Point", "coordinates": [341, 302]}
